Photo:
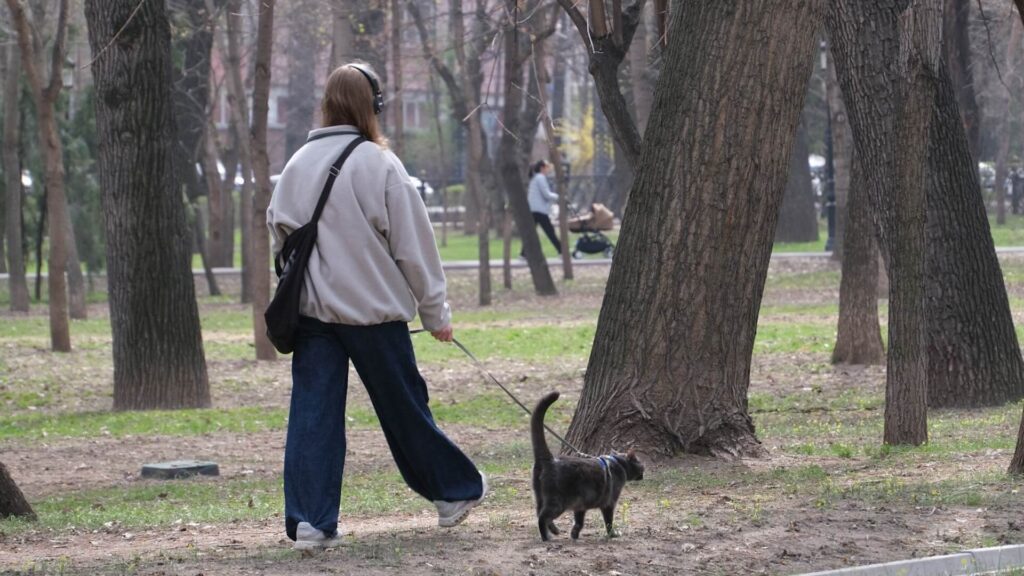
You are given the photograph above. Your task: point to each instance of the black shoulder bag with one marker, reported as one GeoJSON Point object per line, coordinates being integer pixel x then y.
{"type": "Point", "coordinates": [282, 314]}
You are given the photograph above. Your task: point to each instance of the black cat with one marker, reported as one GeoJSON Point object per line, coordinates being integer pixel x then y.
{"type": "Point", "coordinates": [577, 484]}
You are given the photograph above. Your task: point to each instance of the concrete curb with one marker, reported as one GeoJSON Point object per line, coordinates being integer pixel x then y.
{"type": "Point", "coordinates": [980, 561]}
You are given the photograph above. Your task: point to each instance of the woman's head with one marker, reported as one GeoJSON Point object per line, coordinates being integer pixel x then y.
{"type": "Point", "coordinates": [540, 167]}
{"type": "Point", "coordinates": [349, 99]}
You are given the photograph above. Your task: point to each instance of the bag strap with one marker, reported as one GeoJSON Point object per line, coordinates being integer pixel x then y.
{"type": "Point", "coordinates": [334, 171]}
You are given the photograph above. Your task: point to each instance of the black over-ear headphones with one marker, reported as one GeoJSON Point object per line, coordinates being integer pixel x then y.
{"type": "Point", "coordinates": [378, 96]}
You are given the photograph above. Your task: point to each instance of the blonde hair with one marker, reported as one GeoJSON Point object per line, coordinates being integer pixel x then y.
{"type": "Point", "coordinates": [348, 99]}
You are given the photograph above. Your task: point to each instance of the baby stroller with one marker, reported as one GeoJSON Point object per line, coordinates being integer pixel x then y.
{"type": "Point", "coordinates": [589, 226]}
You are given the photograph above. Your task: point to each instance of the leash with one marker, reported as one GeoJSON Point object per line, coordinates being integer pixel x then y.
{"type": "Point", "coordinates": [481, 367]}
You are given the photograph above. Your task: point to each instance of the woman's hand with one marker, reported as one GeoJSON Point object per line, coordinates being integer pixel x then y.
{"type": "Point", "coordinates": [444, 334]}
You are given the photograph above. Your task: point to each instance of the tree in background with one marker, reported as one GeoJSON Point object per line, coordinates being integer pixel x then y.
{"type": "Point", "coordinates": [157, 343]}
{"type": "Point", "coordinates": [17, 285]}
{"type": "Point", "coordinates": [670, 373]}
{"type": "Point", "coordinates": [260, 248]}
{"type": "Point", "coordinates": [798, 219]}
{"type": "Point", "coordinates": [45, 97]}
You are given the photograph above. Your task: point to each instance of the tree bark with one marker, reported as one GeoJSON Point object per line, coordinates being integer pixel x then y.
{"type": "Point", "coordinates": [12, 501]}
{"type": "Point", "coordinates": [157, 344]}
{"type": "Point", "coordinates": [973, 355]}
{"type": "Point", "coordinates": [858, 335]}
{"type": "Point", "coordinates": [260, 247]}
{"type": "Point", "coordinates": [239, 106]}
{"type": "Point", "coordinates": [798, 220]}
{"type": "Point", "coordinates": [957, 50]}
{"type": "Point", "coordinates": [45, 98]}
{"type": "Point", "coordinates": [17, 284]}
{"type": "Point", "coordinates": [885, 58]}
{"type": "Point", "coordinates": [667, 372]}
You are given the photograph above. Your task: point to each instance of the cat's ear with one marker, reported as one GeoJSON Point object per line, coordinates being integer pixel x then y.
{"type": "Point", "coordinates": [631, 454]}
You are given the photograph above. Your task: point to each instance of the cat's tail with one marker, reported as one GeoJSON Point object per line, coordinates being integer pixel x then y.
{"type": "Point", "coordinates": [540, 445]}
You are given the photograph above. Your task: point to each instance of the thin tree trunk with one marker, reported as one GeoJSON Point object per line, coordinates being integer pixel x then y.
{"type": "Point", "coordinates": [441, 173]}
{"type": "Point", "coordinates": [260, 245]}
{"type": "Point", "coordinates": [470, 87]}
{"type": "Point", "coordinates": [506, 248]}
{"type": "Point", "coordinates": [78, 308]}
{"type": "Point", "coordinates": [12, 501]}
{"type": "Point", "coordinates": [199, 239]}
{"type": "Point", "coordinates": [45, 98]}
{"type": "Point", "coordinates": [239, 106]}
{"type": "Point", "coordinates": [798, 220]}
{"type": "Point", "coordinates": [218, 203]}
{"type": "Point", "coordinates": [396, 109]}
{"type": "Point", "coordinates": [640, 76]}
{"type": "Point", "coordinates": [302, 41]}
{"type": "Point", "coordinates": [973, 355]}
{"type": "Point", "coordinates": [1004, 128]}
{"type": "Point", "coordinates": [159, 361]}
{"type": "Point", "coordinates": [842, 159]}
{"type": "Point", "coordinates": [512, 164]}
{"type": "Point", "coordinates": [650, 382]}
{"type": "Point", "coordinates": [342, 35]}
{"type": "Point", "coordinates": [17, 284]}
{"type": "Point", "coordinates": [858, 335]}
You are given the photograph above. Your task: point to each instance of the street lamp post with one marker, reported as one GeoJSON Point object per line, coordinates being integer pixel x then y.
{"type": "Point", "coordinates": [830, 179]}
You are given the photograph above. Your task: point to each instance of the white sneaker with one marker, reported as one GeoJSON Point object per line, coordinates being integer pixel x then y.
{"type": "Point", "coordinates": [453, 513]}
{"type": "Point", "coordinates": [309, 538]}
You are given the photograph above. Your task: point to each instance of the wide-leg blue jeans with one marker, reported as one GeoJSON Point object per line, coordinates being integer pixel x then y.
{"type": "Point", "coordinates": [314, 457]}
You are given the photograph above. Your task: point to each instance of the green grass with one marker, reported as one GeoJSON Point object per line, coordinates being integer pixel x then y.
{"type": "Point", "coordinates": [491, 410]}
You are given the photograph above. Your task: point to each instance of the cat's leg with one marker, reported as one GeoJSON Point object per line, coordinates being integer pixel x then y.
{"type": "Point", "coordinates": [577, 524]}
{"type": "Point", "coordinates": [545, 521]}
{"type": "Point", "coordinates": [554, 529]}
{"type": "Point", "coordinates": [609, 512]}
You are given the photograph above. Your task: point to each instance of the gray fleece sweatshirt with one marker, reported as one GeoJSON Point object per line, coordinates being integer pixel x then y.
{"type": "Point", "coordinates": [375, 259]}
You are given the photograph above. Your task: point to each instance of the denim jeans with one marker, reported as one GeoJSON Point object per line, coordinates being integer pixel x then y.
{"type": "Point", "coordinates": [314, 456]}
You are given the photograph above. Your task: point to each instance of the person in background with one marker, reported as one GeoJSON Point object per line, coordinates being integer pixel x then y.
{"type": "Point", "coordinates": [540, 197]}
{"type": "Point", "coordinates": [374, 267]}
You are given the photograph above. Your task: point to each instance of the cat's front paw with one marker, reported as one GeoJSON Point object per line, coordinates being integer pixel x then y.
{"type": "Point", "coordinates": [613, 533]}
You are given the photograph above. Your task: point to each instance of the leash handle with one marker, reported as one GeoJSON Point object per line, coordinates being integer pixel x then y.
{"type": "Point", "coordinates": [480, 366]}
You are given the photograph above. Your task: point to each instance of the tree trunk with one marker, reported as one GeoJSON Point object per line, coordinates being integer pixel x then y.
{"type": "Point", "coordinates": [78, 308]}
{"type": "Point", "coordinates": [12, 501]}
{"type": "Point", "coordinates": [470, 96]}
{"type": "Point", "coordinates": [218, 203]}
{"type": "Point", "coordinates": [512, 165]}
{"type": "Point", "coordinates": [396, 110]}
{"type": "Point", "coordinates": [260, 245]}
{"type": "Point", "coordinates": [707, 193]}
{"type": "Point", "coordinates": [157, 344]}
{"type": "Point", "coordinates": [798, 220]}
{"type": "Point", "coordinates": [239, 106]}
{"type": "Point", "coordinates": [858, 335]}
{"type": "Point", "coordinates": [301, 76]}
{"type": "Point", "coordinates": [973, 356]}
{"type": "Point", "coordinates": [45, 98]}
{"type": "Point", "coordinates": [198, 225]}
{"type": "Point", "coordinates": [1004, 128]}
{"type": "Point", "coordinates": [17, 284]}
{"type": "Point", "coordinates": [191, 113]}
{"type": "Point", "coordinates": [842, 161]}
{"type": "Point", "coordinates": [957, 50]}
{"type": "Point", "coordinates": [342, 35]}
{"type": "Point", "coordinates": [884, 65]}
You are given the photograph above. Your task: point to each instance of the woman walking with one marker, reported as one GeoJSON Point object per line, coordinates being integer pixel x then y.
{"type": "Point", "coordinates": [375, 266]}
{"type": "Point", "coordinates": [540, 197]}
